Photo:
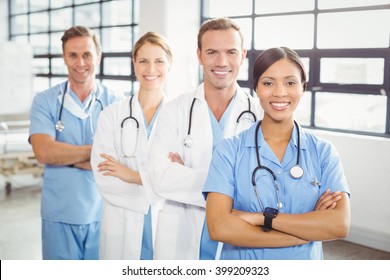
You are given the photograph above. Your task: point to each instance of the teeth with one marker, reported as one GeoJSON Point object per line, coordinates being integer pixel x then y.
{"type": "Point", "coordinates": [280, 104]}
{"type": "Point", "coordinates": [221, 72]}
{"type": "Point", "coordinates": [150, 78]}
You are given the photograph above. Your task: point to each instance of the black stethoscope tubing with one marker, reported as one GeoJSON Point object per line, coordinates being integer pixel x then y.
{"type": "Point", "coordinates": [130, 117]}
{"type": "Point", "coordinates": [59, 122]}
{"type": "Point", "coordinates": [249, 111]}
{"type": "Point", "coordinates": [259, 166]}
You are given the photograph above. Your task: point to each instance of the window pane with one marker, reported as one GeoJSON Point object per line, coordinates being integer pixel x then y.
{"type": "Point", "coordinates": [246, 29]}
{"type": "Point", "coordinates": [56, 43]}
{"type": "Point", "coordinates": [331, 4]}
{"type": "Point", "coordinates": [272, 32]}
{"type": "Point", "coordinates": [58, 66]}
{"type": "Point", "coordinates": [244, 71]}
{"type": "Point", "coordinates": [302, 113]}
{"type": "Point", "coordinates": [40, 84]}
{"type": "Point", "coordinates": [40, 43]}
{"type": "Point", "coordinates": [223, 8]}
{"type": "Point", "coordinates": [20, 39]}
{"type": "Point", "coordinates": [117, 66]}
{"type": "Point", "coordinates": [117, 39]}
{"type": "Point", "coordinates": [19, 25]}
{"type": "Point", "coordinates": [120, 87]}
{"type": "Point", "coordinates": [61, 19]}
{"type": "Point", "coordinates": [40, 66]}
{"type": "Point", "coordinates": [60, 3]}
{"type": "Point", "coordinates": [354, 29]}
{"type": "Point", "coordinates": [352, 70]}
{"type": "Point", "coordinates": [39, 5]}
{"type": "Point", "coordinates": [280, 6]}
{"type": "Point", "coordinates": [39, 22]}
{"type": "Point", "coordinates": [87, 15]}
{"type": "Point", "coordinates": [117, 12]}
{"type": "Point", "coordinates": [351, 111]}
{"type": "Point", "coordinates": [18, 6]}
{"type": "Point", "coordinates": [82, 1]}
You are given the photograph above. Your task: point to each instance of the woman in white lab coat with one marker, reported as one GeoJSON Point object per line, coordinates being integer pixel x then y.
{"type": "Point", "coordinates": [119, 157]}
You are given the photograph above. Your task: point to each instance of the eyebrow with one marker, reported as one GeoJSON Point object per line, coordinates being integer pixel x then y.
{"type": "Point", "coordinates": [272, 78]}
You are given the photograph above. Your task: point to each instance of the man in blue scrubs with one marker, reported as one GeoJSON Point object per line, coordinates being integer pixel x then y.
{"type": "Point", "coordinates": [63, 120]}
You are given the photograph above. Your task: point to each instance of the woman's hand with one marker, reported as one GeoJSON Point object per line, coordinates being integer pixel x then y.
{"type": "Point", "coordinates": [111, 167]}
{"type": "Point", "coordinates": [327, 200]}
{"type": "Point", "coordinates": [175, 157]}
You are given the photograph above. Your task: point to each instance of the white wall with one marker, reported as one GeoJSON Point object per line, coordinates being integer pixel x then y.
{"type": "Point", "coordinates": [3, 20]}
{"type": "Point", "coordinates": [366, 162]}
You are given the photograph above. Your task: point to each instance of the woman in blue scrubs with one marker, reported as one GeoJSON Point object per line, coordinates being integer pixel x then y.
{"type": "Point", "coordinates": [276, 191]}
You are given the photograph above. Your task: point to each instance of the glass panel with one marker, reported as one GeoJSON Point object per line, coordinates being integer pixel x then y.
{"type": "Point", "coordinates": [244, 71]}
{"type": "Point", "coordinates": [117, 12]}
{"type": "Point", "coordinates": [56, 43]}
{"type": "Point", "coordinates": [117, 66]}
{"type": "Point", "coordinates": [246, 29]}
{"type": "Point", "coordinates": [332, 4]}
{"type": "Point", "coordinates": [58, 66]}
{"type": "Point", "coordinates": [280, 6]}
{"type": "Point", "coordinates": [60, 3]}
{"type": "Point", "coordinates": [223, 8]}
{"type": "Point", "coordinates": [302, 112]}
{"type": "Point", "coordinates": [352, 70]}
{"type": "Point", "coordinates": [120, 87]}
{"type": "Point", "coordinates": [354, 29]}
{"type": "Point", "coordinates": [40, 43]}
{"type": "Point", "coordinates": [40, 65]}
{"type": "Point", "coordinates": [87, 15]}
{"type": "Point", "coordinates": [117, 39]}
{"type": "Point", "coordinates": [40, 84]}
{"type": "Point", "coordinates": [306, 64]}
{"type": "Point", "coordinates": [351, 111]}
{"type": "Point", "coordinates": [83, 1]}
{"type": "Point", "coordinates": [18, 6]}
{"type": "Point", "coordinates": [39, 5]}
{"type": "Point", "coordinates": [19, 25]}
{"type": "Point", "coordinates": [39, 22]}
{"type": "Point", "coordinates": [296, 32]}
{"type": "Point", "coordinates": [20, 39]}
{"type": "Point", "coordinates": [61, 19]}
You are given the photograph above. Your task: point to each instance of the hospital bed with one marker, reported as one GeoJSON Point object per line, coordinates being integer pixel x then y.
{"type": "Point", "coordinates": [18, 164]}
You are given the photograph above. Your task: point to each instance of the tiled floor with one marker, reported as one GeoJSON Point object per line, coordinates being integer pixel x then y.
{"type": "Point", "coordinates": [20, 231]}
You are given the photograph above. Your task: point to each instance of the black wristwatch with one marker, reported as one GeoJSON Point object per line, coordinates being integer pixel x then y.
{"type": "Point", "coordinates": [269, 214]}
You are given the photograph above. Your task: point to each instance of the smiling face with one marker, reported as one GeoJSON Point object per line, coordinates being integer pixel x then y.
{"type": "Point", "coordinates": [221, 57]}
{"type": "Point", "coordinates": [151, 66]}
{"type": "Point", "coordinates": [279, 89]}
{"type": "Point", "coordinates": [81, 58]}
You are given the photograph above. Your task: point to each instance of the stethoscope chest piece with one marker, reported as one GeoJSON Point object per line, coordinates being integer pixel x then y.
{"type": "Point", "coordinates": [296, 172]}
{"type": "Point", "coordinates": [188, 142]}
{"type": "Point", "coordinates": [60, 126]}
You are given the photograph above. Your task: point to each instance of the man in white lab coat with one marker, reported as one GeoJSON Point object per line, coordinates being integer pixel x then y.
{"type": "Point", "coordinates": [188, 130]}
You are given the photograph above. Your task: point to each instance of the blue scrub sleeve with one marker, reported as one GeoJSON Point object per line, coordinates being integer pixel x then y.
{"type": "Point", "coordinates": [42, 115]}
{"type": "Point", "coordinates": [220, 178]}
{"type": "Point", "coordinates": [333, 176]}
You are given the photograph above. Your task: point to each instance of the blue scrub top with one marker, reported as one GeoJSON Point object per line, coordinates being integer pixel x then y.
{"type": "Point", "coordinates": [69, 195]}
{"type": "Point", "coordinates": [230, 173]}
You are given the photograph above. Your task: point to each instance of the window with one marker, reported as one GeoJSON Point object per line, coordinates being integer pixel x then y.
{"type": "Point", "coordinates": [42, 24]}
{"type": "Point", "coordinates": [344, 45]}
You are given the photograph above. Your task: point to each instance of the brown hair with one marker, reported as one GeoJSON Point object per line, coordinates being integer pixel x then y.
{"type": "Point", "coordinates": [80, 31]}
{"type": "Point", "coordinates": [218, 24]}
{"type": "Point", "coordinates": [155, 39]}
{"type": "Point", "coordinates": [270, 56]}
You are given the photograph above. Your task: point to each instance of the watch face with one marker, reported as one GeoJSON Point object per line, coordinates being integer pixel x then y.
{"type": "Point", "coordinates": [271, 211]}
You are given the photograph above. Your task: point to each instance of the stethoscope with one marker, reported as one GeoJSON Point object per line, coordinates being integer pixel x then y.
{"type": "Point", "coordinates": [296, 171]}
{"type": "Point", "coordinates": [60, 125]}
{"type": "Point", "coordinates": [131, 118]}
{"type": "Point", "coordinates": [188, 140]}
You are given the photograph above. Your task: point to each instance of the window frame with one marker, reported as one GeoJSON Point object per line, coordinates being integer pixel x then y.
{"type": "Point", "coordinates": [315, 55]}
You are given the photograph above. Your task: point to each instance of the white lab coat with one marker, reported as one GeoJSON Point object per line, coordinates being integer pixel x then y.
{"type": "Point", "coordinates": [180, 221]}
{"type": "Point", "coordinates": [125, 204]}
